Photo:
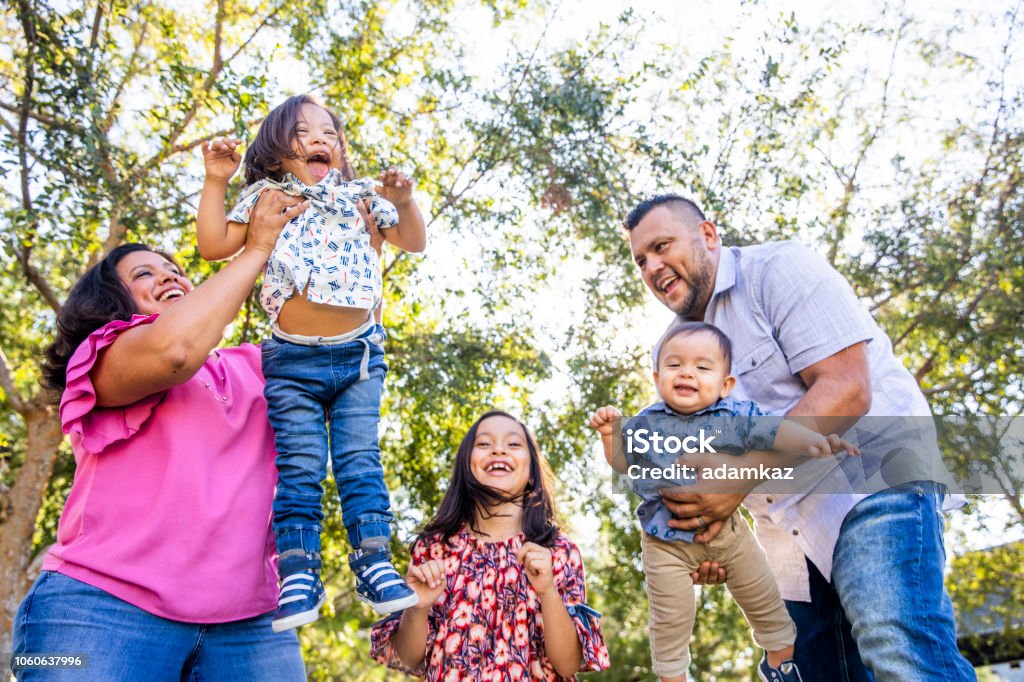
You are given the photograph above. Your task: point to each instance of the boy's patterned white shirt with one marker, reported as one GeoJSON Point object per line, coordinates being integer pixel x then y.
{"type": "Point", "coordinates": [327, 246]}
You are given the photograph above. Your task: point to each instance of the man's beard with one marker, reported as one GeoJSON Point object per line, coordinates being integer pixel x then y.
{"type": "Point", "coordinates": [693, 306]}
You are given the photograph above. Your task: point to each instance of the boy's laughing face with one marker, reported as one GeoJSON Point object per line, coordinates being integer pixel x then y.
{"type": "Point", "coordinates": [692, 373]}
{"type": "Point", "coordinates": [317, 146]}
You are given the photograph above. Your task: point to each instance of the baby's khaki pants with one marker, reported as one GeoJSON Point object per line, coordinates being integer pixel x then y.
{"type": "Point", "coordinates": [668, 565]}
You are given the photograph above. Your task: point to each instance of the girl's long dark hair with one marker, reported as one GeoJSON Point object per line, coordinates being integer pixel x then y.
{"type": "Point", "coordinates": [275, 137]}
{"type": "Point", "coordinates": [466, 496]}
{"type": "Point", "coordinates": [98, 297]}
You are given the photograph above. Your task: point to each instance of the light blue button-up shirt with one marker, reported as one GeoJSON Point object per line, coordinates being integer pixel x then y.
{"type": "Point", "coordinates": [785, 308]}
{"type": "Point", "coordinates": [737, 425]}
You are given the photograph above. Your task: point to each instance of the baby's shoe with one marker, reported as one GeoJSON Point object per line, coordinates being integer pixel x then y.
{"type": "Point", "coordinates": [302, 593]}
{"type": "Point", "coordinates": [787, 672]}
{"type": "Point", "coordinates": [377, 582]}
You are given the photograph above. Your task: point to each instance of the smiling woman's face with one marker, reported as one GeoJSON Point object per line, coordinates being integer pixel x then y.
{"type": "Point", "coordinates": [153, 281]}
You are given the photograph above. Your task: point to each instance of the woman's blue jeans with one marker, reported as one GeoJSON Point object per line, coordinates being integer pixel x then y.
{"type": "Point", "coordinates": [320, 395]}
{"type": "Point", "coordinates": [887, 593]}
{"type": "Point", "coordinates": [61, 615]}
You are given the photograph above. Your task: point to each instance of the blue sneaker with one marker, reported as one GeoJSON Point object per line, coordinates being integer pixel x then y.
{"type": "Point", "coordinates": [302, 593]}
{"type": "Point", "coordinates": [378, 583]}
{"type": "Point", "coordinates": [787, 672]}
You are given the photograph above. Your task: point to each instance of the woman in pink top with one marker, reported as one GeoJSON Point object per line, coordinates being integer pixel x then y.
{"type": "Point", "coordinates": [163, 565]}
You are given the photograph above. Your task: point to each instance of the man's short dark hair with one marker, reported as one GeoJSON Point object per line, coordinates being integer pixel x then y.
{"type": "Point", "coordinates": [683, 208]}
{"type": "Point", "coordinates": [689, 328]}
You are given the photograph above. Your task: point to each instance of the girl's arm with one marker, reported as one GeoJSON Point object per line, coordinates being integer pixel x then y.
{"type": "Point", "coordinates": [561, 643]}
{"type": "Point", "coordinates": [410, 641]}
{"type": "Point", "coordinates": [410, 234]}
{"type": "Point", "coordinates": [215, 236]}
{"type": "Point", "coordinates": [155, 357]}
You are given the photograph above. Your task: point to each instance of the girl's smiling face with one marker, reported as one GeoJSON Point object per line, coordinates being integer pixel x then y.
{"type": "Point", "coordinates": [500, 458]}
{"type": "Point", "coordinates": [316, 146]}
{"type": "Point", "coordinates": [153, 281]}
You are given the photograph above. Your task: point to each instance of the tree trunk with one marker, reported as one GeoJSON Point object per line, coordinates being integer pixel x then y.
{"type": "Point", "coordinates": [24, 500]}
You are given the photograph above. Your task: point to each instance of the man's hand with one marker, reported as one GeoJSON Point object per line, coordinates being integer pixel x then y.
{"type": "Point", "coordinates": [376, 238]}
{"type": "Point", "coordinates": [221, 158]}
{"type": "Point", "coordinates": [428, 581]}
{"type": "Point", "coordinates": [395, 186]}
{"type": "Point", "coordinates": [603, 420]}
{"type": "Point", "coordinates": [537, 564]}
{"type": "Point", "coordinates": [709, 573]}
{"type": "Point", "coordinates": [702, 512]}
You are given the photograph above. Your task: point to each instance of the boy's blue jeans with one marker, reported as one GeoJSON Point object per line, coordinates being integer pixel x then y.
{"type": "Point", "coordinates": [318, 394]}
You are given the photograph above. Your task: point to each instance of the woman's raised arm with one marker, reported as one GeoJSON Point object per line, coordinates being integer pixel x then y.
{"type": "Point", "coordinates": [157, 356]}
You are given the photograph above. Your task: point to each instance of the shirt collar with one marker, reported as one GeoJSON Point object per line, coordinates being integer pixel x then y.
{"type": "Point", "coordinates": [660, 406]}
{"type": "Point", "coordinates": [725, 278]}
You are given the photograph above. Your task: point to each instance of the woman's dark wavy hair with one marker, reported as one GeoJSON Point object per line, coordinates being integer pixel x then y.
{"type": "Point", "coordinates": [275, 137]}
{"type": "Point", "coordinates": [98, 297]}
{"type": "Point", "coordinates": [467, 497]}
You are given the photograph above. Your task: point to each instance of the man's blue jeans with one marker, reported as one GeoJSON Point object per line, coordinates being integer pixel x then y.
{"type": "Point", "coordinates": [887, 592]}
{"type": "Point", "coordinates": [61, 615]}
{"type": "Point", "coordinates": [320, 394]}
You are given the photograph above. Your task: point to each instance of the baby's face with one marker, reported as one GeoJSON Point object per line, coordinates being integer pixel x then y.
{"type": "Point", "coordinates": [316, 144]}
{"type": "Point", "coordinates": [692, 373]}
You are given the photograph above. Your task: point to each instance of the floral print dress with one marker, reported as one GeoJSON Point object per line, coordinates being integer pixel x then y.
{"type": "Point", "coordinates": [487, 625]}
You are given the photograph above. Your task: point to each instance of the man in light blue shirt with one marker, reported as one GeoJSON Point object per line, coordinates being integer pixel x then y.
{"type": "Point", "coordinates": [861, 573]}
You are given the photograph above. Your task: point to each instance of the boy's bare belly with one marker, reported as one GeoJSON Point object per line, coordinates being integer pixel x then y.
{"type": "Point", "coordinates": [299, 316]}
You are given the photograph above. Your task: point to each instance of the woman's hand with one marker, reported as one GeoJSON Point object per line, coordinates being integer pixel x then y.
{"type": "Point", "coordinates": [273, 210]}
{"type": "Point", "coordinates": [428, 581]}
{"type": "Point", "coordinates": [376, 238]}
{"type": "Point", "coordinates": [539, 570]}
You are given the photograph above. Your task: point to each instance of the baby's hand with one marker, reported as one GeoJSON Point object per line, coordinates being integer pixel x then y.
{"type": "Point", "coordinates": [823, 446]}
{"type": "Point", "coordinates": [221, 158]}
{"type": "Point", "coordinates": [603, 421]}
{"type": "Point", "coordinates": [395, 186]}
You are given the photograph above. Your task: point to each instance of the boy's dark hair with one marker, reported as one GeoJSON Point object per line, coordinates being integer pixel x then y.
{"type": "Point", "coordinates": [466, 496]}
{"type": "Point", "coordinates": [275, 137]}
{"type": "Point", "coordinates": [683, 208]}
{"type": "Point", "coordinates": [98, 298]}
{"type": "Point", "coordinates": [690, 328]}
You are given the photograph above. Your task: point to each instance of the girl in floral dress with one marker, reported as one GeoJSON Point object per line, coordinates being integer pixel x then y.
{"type": "Point", "coordinates": [502, 592]}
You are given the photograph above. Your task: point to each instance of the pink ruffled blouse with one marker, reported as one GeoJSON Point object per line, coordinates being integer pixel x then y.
{"type": "Point", "coordinates": [171, 504]}
{"type": "Point", "coordinates": [487, 625]}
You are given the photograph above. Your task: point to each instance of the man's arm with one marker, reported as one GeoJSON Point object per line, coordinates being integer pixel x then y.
{"type": "Point", "coordinates": [838, 391]}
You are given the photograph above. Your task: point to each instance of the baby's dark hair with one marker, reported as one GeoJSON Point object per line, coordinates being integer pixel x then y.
{"type": "Point", "coordinates": [689, 329]}
{"type": "Point", "coordinates": [275, 137]}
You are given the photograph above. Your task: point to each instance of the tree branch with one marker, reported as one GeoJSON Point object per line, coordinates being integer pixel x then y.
{"type": "Point", "coordinates": [14, 397]}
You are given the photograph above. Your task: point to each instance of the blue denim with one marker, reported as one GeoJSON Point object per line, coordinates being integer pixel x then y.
{"type": "Point", "coordinates": [825, 648]}
{"type": "Point", "coordinates": [887, 574]}
{"type": "Point", "coordinates": [305, 384]}
{"type": "Point", "coordinates": [123, 642]}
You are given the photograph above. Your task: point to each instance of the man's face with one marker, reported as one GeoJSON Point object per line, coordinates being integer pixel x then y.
{"type": "Point", "coordinates": [676, 260]}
